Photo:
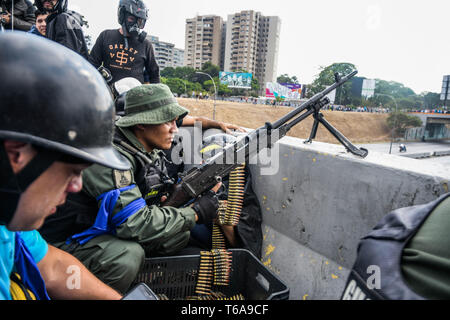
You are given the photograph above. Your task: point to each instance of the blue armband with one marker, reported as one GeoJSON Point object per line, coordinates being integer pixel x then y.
{"type": "Point", "coordinates": [105, 223]}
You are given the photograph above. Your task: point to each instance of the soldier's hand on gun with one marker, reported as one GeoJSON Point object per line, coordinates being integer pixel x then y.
{"type": "Point", "coordinates": [206, 205]}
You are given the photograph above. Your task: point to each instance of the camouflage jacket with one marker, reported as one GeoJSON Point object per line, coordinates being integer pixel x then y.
{"type": "Point", "coordinates": [160, 230]}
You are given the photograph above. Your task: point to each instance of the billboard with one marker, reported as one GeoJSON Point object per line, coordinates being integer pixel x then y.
{"type": "Point", "coordinates": [445, 88]}
{"type": "Point", "coordinates": [284, 90]}
{"type": "Point", "coordinates": [368, 88]}
{"type": "Point", "coordinates": [236, 79]}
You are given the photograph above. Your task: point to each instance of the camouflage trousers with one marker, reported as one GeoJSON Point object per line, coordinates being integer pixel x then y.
{"type": "Point", "coordinates": [114, 261]}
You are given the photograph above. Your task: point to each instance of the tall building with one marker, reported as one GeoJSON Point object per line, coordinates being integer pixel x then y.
{"type": "Point", "coordinates": [166, 54]}
{"type": "Point", "coordinates": [203, 41]}
{"type": "Point", "coordinates": [178, 58]}
{"type": "Point", "coordinates": [252, 44]}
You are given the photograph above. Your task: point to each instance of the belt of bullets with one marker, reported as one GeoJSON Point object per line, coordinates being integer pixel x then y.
{"type": "Point", "coordinates": [229, 210]}
{"type": "Point", "coordinates": [205, 273]}
{"type": "Point", "coordinates": [235, 196]}
{"type": "Point", "coordinates": [218, 239]}
{"type": "Point", "coordinates": [215, 269]}
{"type": "Point", "coordinates": [215, 265]}
{"type": "Point", "coordinates": [222, 266]}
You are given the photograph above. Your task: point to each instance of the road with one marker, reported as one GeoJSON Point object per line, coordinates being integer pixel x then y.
{"type": "Point", "coordinates": [412, 148]}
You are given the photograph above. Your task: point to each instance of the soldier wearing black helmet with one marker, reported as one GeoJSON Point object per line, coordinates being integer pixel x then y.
{"type": "Point", "coordinates": [126, 51]}
{"type": "Point", "coordinates": [64, 26]}
{"type": "Point", "coordinates": [45, 143]}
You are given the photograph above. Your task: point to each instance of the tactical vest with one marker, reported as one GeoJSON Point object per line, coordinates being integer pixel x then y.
{"type": "Point", "coordinates": [377, 274]}
{"type": "Point", "coordinates": [80, 211]}
{"type": "Point", "coordinates": [150, 176]}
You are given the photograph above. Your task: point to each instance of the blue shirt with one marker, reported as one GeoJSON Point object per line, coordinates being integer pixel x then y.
{"type": "Point", "coordinates": [35, 244]}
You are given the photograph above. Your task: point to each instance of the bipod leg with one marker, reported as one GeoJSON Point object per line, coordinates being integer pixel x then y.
{"type": "Point", "coordinates": [314, 129]}
{"type": "Point", "coordinates": [342, 139]}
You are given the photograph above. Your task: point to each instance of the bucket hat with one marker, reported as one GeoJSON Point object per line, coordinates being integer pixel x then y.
{"type": "Point", "coordinates": [150, 104]}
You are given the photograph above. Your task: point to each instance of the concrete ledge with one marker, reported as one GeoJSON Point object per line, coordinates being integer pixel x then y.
{"type": "Point", "coordinates": [441, 153]}
{"type": "Point", "coordinates": [322, 200]}
{"type": "Point", "coordinates": [419, 155]}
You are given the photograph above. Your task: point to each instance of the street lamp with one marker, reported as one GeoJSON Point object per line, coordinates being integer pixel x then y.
{"type": "Point", "coordinates": [395, 118]}
{"type": "Point", "coordinates": [215, 92]}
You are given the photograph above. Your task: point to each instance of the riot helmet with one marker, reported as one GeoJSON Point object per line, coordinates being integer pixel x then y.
{"type": "Point", "coordinates": [60, 6]}
{"type": "Point", "coordinates": [61, 105]}
{"type": "Point", "coordinates": [132, 16]}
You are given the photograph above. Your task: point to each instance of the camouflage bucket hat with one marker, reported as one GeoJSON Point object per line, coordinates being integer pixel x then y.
{"type": "Point", "coordinates": [150, 104]}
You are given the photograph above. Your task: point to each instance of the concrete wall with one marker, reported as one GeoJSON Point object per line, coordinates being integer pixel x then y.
{"type": "Point", "coordinates": [321, 200]}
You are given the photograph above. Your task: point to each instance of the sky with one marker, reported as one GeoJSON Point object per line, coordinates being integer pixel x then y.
{"type": "Point", "coordinates": [406, 41]}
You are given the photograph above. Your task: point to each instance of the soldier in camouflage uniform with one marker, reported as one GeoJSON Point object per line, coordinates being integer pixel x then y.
{"type": "Point", "coordinates": [117, 220]}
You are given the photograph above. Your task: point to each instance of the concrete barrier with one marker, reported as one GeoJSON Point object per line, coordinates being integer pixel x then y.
{"type": "Point", "coordinates": [323, 200]}
{"type": "Point", "coordinates": [441, 153]}
{"type": "Point", "coordinates": [421, 155]}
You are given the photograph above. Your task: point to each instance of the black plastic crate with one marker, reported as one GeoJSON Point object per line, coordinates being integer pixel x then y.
{"type": "Point", "coordinates": [176, 277]}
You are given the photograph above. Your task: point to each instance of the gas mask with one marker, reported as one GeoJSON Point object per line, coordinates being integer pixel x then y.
{"type": "Point", "coordinates": [133, 28]}
{"type": "Point", "coordinates": [134, 25]}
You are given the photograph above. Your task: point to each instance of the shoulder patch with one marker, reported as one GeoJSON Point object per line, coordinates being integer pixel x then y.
{"type": "Point", "coordinates": [122, 178]}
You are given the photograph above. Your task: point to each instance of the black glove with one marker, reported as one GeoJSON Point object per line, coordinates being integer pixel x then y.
{"type": "Point", "coordinates": [206, 207]}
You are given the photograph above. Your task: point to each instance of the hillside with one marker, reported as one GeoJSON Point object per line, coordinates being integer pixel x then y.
{"type": "Point", "coordinates": [358, 127]}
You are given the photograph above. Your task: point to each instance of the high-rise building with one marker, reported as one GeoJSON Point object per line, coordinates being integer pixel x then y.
{"type": "Point", "coordinates": [252, 44]}
{"type": "Point", "coordinates": [166, 54]}
{"type": "Point", "coordinates": [178, 58]}
{"type": "Point", "coordinates": [203, 41]}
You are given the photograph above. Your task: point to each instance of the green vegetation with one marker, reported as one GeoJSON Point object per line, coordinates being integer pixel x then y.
{"type": "Point", "coordinates": [402, 121]}
{"type": "Point", "coordinates": [184, 80]}
{"type": "Point", "coordinates": [387, 93]}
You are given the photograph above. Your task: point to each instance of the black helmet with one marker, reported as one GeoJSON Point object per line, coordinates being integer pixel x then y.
{"type": "Point", "coordinates": [54, 99]}
{"type": "Point", "coordinates": [61, 6]}
{"type": "Point", "coordinates": [136, 9]}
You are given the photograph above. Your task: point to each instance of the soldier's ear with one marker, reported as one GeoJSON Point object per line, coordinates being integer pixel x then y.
{"type": "Point", "coordinates": [19, 154]}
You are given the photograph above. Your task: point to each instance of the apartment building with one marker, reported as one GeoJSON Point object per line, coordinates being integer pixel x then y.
{"type": "Point", "coordinates": [252, 44]}
{"type": "Point", "coordinates": [178, 58]}
{"type": "Point", "coordinates": [203, 41]}
{"type": "Point", "coordinates": [166, 54]}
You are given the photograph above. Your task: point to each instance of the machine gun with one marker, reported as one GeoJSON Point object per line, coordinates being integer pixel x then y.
{"type": "Point", "coordinates": [203, 178]}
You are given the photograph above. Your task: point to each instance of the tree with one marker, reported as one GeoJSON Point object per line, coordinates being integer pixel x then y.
{"type": "Point", "coordinates": [431, 99]}
{"type": "Point", "coordinates": [392, 88]}
{"type": "Point", "coordinates": [326, 78]}
{"type": "Point", "coordinates": [187, 73]}
{"type": "Point", "coordinates": [284, 78]}
{"type": "Point", "coordinates": [211, 69]}
{"type": "Point", "coordinates": [168, 72]}
{"type": "Point", "coordinates": [402, 121]}
{"type": "Point", "coordinates": [176, 85]}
